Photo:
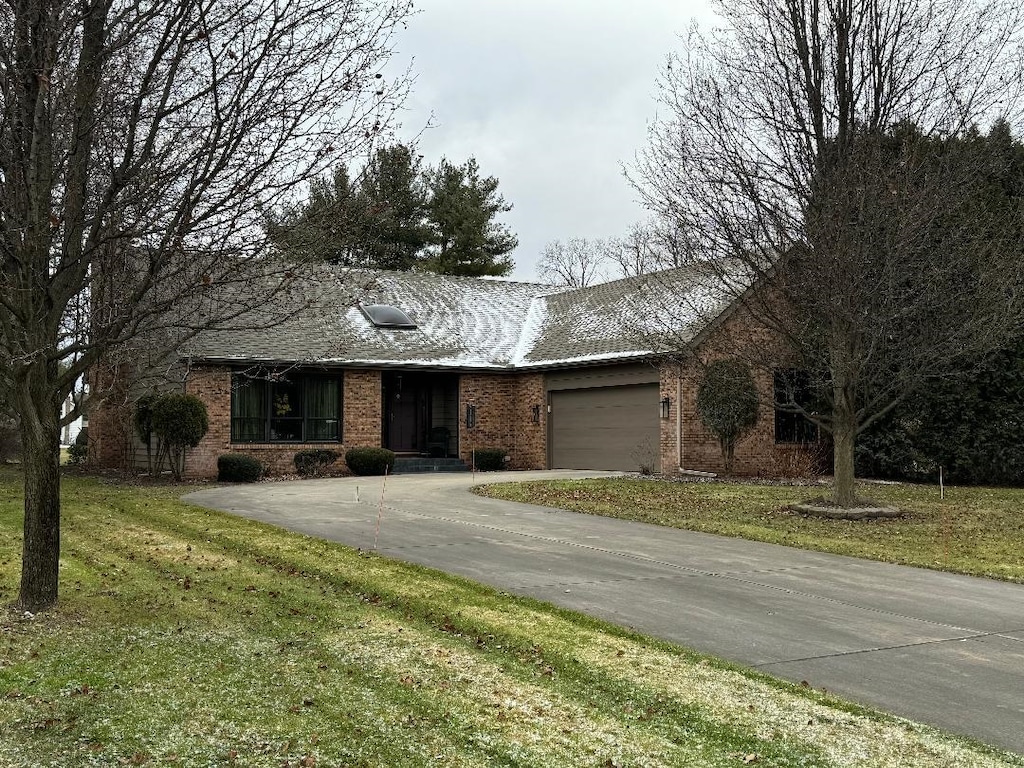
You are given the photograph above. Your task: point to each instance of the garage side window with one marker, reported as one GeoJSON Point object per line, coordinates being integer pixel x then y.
{"type": "Point", "coordinates": [793, 386]}
{"type": "Point", "coordinates": [286, 408]}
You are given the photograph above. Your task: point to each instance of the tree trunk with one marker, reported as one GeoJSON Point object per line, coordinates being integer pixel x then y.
{"type": "Point", "coordinates": [41, 548]}
{"type": "Point", "coordinates": [843, 491]}
{"type": "Point", "coordinates": [728, 455]}
{"type": "Point", "coordinates": [177, 456]}
{"type": "Point", "coordinates": [844, 413]}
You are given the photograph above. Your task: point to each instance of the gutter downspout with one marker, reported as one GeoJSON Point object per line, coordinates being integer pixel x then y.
{"type": "Point", "coordinates": [679, 429]}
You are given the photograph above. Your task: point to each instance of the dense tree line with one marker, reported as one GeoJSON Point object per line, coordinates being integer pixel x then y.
{"type": "Point", "coordinates": [969, 418]}
{"type": "Point", "coordinates": [972, 426]}
{"type": "Point", "coordinates": [648, 246]}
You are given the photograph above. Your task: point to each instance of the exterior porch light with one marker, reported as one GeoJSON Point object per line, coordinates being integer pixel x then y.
{"type": "Point", "coordinates": [535, 414]}
{"type": "Point", "coordinates": [666, 407]}
{"type": "Point", "coordinates": [470, 416]}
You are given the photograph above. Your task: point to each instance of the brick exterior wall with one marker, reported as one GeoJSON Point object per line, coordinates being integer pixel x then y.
{"type": "Point", "coordinates": [504, 417]}
{"type": "Point", "coordinates": [530, 441]}
{"type": "Point", "coordinates": [363, 406]}
{"type": "Point", "coordinates": [755, 455]}
{"type": "Point", "coordinates": [111, 435]}
{"type": "Point", "coordinates": [504, 420]}
{"type": "Point", "coordinates": [212, 385]}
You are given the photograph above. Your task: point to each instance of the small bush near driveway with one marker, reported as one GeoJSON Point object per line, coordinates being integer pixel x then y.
{"type": "Point", "coordinates": [489, 459]}
{"type": "Point", "coordinates": [238, 468]}
{"type": "Point", "coordinates": [370, 461]}
{"type": "Point", "coordinates": [314, 461]}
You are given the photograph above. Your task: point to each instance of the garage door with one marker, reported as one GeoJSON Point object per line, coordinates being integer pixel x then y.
{"type": "Point", "coordinates": [604, 427]}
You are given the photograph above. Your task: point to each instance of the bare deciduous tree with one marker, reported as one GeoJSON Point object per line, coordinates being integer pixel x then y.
{"type": "Point", "coordinates": [140, 144]}
{"type": "Point", "coordinates": [636, 252]}
{"type": "Point", "coordinates": [648, 247]}
{"type": "Point", "coordinates": [826, 151]}
{"type": "Point", "coordinates": [575, 263]}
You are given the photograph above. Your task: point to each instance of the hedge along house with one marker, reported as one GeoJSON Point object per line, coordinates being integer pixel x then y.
{"type": "Point", "coordinates": [439, 366]}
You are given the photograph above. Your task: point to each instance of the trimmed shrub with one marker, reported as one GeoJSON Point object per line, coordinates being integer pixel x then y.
{"type": "Point", "coordinates": [238, 468]}
{"type": "Point", "coordinates": [312, 462]}
{"type": "Point", "coordinates": [370, 461]}
{"type": "Point", "coordinates": [78, 452]}
{"type": "Point", "coordinates": [727, 404]}
{"type": "Point", "coordinates": [179, 421]}
{"type": "Point", "coordinates": [490, 459]}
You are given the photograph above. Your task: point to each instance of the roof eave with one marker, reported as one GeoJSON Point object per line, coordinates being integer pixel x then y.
{"type": "Point", "coordinates": [344, 364]}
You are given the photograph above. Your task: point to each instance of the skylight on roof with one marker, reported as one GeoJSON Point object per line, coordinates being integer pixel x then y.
{"type": "Point", "coordinates": [387, 316]}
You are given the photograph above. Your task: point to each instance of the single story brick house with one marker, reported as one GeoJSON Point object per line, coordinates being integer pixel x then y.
{"type": "Point", "coordinates": [435, 365]}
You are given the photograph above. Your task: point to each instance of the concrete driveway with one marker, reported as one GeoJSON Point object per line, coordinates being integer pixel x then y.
{"type": "Point", "coordinates": [938, 648]}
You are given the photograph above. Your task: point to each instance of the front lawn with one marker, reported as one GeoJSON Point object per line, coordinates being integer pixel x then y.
{"type": "Point", "coordinates": [977, 531]}
{"type": "Point", "coordinates": [189, 637]}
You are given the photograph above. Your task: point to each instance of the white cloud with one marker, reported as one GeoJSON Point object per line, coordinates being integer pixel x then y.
{"type": "Point", "coordinates": [551, 97]}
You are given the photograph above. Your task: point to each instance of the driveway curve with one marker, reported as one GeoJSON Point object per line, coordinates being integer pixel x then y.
{"type": "Point", "coordinates": [935, 647]}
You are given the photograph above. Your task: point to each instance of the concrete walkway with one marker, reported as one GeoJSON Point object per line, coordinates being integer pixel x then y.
{"type": "Point", "coordinates": [937, 648]}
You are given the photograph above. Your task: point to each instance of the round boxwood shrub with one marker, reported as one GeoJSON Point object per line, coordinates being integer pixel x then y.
{"type": "Point", "coordinates": [370, 461]}
{"type": "Point", "coordinates": [313, 461]}
{"type": "Point", "coordinates": [727, 404]}
{"type": "Point", "coordinates": [179, 421]}
{"type": "Point", "coordinates": [238, 468]}
{"type": "Point", "coordinates": [490, 459]}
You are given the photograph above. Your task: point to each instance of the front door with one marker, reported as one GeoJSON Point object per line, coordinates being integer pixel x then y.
{"type": "Point", "coordinates": [404, 412]}
{"type": "Point", "coordinates": [418, 406]}
{"type": "Point", "coordinates": [404, 421]}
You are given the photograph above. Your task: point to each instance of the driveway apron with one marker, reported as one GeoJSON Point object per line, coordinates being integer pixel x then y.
{"type": "Point", "coordinates": [934, 647]}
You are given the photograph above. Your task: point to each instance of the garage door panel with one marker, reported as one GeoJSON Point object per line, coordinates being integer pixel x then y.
{"type": "Point", "coordinates": [602, 427]}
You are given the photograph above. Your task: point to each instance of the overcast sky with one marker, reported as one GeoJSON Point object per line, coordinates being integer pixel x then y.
{"type": "Point", "coordinates": [550, 96]}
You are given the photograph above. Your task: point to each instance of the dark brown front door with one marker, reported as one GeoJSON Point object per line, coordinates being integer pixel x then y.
{"type": "Point", "coordinates": [404, 421]}
{"type": "Point", "coordinates": [405, 411]}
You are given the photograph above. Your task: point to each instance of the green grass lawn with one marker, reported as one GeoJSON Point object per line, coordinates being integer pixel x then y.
{"type": "Point", "coordinates": [189, 637]}
{"type": "Point", "coordinates": [977, 531]}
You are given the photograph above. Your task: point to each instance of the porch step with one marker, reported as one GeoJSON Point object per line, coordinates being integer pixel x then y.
{"type": "Point", "coordinates": [410, 465]}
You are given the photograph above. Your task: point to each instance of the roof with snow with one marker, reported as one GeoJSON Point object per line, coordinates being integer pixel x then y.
{"type": "Point", "coordinates": [474, 323]}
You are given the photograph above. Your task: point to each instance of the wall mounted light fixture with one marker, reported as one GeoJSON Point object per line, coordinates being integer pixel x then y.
{"type": "Point", "coordinates": [470, 416]}
{"type": "Point", "coordinates": [666, 407]}
{"type": "Point", "coordinates": [535, 414]}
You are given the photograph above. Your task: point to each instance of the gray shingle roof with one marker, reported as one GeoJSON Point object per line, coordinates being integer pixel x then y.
{"type": "Point", "coordinates": [473, 323]}
{"type": "Point", "coordinates": [631, 317]}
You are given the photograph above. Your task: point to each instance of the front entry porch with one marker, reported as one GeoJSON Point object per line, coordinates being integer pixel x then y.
{"type": "Point", "coordinates": [421, 413]}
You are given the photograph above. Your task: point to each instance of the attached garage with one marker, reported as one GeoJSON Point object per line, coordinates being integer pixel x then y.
{"type": "Point", "coordinates": [604, 418]}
